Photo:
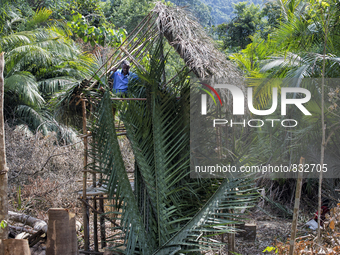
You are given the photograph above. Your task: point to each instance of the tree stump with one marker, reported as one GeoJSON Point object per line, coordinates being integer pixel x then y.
{"type": "Point", "coordinates": [250, 232]}
{"type": "Point", "coordinates": [15, 247]}
{"type": "Point", "coordinates": [61, 233]}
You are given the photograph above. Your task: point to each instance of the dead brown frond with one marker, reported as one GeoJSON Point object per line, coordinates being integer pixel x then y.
{"type": "Point", "coordinates": [193, 44]}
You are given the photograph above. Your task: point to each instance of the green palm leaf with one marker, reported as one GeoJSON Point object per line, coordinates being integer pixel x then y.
{"type": "Point", "coordinates": [25, 87]}
{"type": "Point", "coordinates": [110, 163]}
{"type": "Point", "coordinates": [168, 211]}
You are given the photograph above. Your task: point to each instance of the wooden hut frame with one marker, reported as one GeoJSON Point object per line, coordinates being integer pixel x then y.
{"type": "Point", "coordinates": [190, 41]}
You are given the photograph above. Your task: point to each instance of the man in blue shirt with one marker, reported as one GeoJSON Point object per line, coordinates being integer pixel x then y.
{"type": "Point", "coordinates": [121, 77]}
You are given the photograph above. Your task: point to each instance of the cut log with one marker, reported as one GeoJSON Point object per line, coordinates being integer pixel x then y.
{"type": "Point", "coordinates": [15, 247]}
{"type": "Point", "coordinates": [35, 223]}
{"type": "Point", "coordinates": [61, 234]}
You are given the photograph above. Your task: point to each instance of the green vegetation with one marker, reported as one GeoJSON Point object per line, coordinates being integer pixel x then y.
{"type": "Point", "coordinates": [223, 10]}
{"type": "Point", "coordinates": [200, 10]}
{"type": "Point", "coordinates": [102, 36]}
{"type": "Point", "coordinates": [237, 32]}
{"type": "Point", "coordinates": [42, 58]}
{"type": "Point", "coordinates": [126, 13]}
{"type": "Point", "coordinates": [303, 45]}
{"type": "Point", "coordinates": [212, 12]}
{"type": "Point", "coordinates": [52, 46]}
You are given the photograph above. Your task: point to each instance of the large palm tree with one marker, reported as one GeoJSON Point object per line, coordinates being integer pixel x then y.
{"type": "Point", "coordinates": [41, 60]}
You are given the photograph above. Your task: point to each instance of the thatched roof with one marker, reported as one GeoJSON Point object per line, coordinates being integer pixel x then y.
{"type": "Point", "coordinates": [184, 33]}
{"type": "Point", "coordinates": [193, 44]}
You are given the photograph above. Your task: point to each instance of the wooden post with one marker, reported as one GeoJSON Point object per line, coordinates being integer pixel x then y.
{"type": "Point", "coordinates": [61, 233]}
{"type": "Point", "coordinates": [296, 206]}
{"type": "Point", "coordinates": [15, 247]}
{"type": "Point", "coordinates": [163, 59]}
{"type": "Point", "coordinates": [249, 233]}
{"type": "Point", "coordinates": [222, 236]}
{"type": "Point", "coordinates": [3, 164]}
{"type": "Point", "coordinates": [85, 211]}
{"type": "Point", "coordinates": [231, 243]}
{"type": "Point", "coordinates": [95, 216]}
{"type": "Point", "coordinates": [102, 219]}
{"type": "Point", "coordinates": [231, 240]}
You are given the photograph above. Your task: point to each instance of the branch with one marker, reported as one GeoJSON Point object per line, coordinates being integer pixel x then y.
{"type": "Point", "coordinates": [54, 156]}
{"type": "Point", "coordinates": [329, 136]}
{"type": "Point", "coordinates": [94, 210]}
{"type": "Point", "coordinates": [21, 229]}
{"type": "Point", "coordinates": [35, 223]}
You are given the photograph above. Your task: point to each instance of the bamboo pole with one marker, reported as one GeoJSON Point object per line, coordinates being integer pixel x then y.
{"type": "Point", "coordinates": [323, 127]}
{"type": "Point", "coordinates": [127, 99]}
{"type": "Point", "coordinates": [135, 62]}
{"type": "Point", "coordinates": [149, 16]}
{"type": "Point", "coordinates": [163, 60]}
{"type": "Point", "coordinates": [3, 164]}
{"type": "Point", "coordinates": [85, 211]}
{"type": "Point", "coordinates": [231, 242]}
{"type": "Point", "coordinates": [102, 223]}
{"type": "Point", "coordinates": [296, 206]}
{"type": "Point", "coordinates": [95, 217]}
{"type": "Point", "coordinates": [106, 217]}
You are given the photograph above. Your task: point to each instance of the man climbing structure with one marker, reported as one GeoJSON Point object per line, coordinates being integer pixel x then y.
{"type": "Point", "coordinates": [121, 77]}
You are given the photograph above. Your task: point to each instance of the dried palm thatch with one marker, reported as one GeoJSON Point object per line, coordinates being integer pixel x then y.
{"type": "Point", "coordinates": [184, 33]}
{"type": "Point", "coordinates": [190, 40]}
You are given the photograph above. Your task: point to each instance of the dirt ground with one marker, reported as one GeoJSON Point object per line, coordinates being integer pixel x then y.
{"type": "Point", "coordinates": [267, 232]}
{"type": "Point", "coordinates": [53, 186]}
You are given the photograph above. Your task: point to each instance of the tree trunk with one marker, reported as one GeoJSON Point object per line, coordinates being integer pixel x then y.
{"type": "Point", "coordinates": [323, 126]}
{"type": "Point", "coordinates": [3, 165]}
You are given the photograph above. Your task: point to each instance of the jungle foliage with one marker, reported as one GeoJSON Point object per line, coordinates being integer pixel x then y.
{"type": "Point", "coordinates": [294, 52]}
{"type": "Point", "coordinates": [42, 59]}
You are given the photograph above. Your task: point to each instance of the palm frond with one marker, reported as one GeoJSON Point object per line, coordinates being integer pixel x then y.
{"type": "Point", "coordinates": [27, 55]}
{"type": "Point", "coordinates": [15, 39]}
{"type": "Point", "coordinates": [25, 88]}
{"type": "Point", "coordinates": [190, 40]}
{"type": "Point", "coordinates": [212, 218]}
{"type": "Point", "coordinates": [110, 163]}
{"type": "Point", "coordinates": [33, 118]}
{"type": "Point", "coordinates": [52, 85]}
{"type": "Point", "coordinates": [39, 16]}
{"type": "Point", "coordinates": [168, 211]}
